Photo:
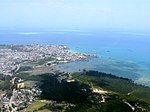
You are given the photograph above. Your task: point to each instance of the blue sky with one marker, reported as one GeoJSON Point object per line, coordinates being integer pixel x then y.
{"type": "Point", "coordinates": [75, 14]}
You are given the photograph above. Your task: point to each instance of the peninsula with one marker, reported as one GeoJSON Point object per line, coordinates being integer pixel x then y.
{"type": "Point", "coordinates": [12, 55]}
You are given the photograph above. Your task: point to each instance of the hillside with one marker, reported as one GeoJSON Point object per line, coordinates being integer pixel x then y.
{"type": "Point", "coordinates": [77, 93]}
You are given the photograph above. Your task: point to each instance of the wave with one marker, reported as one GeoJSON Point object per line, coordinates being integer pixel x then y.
{"type": "Point", "coordinates": [28, 33]}
{"type": "Point", "coordinates": [138, 34]}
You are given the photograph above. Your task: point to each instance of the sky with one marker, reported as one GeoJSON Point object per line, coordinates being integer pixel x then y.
{"type": "Point", "coordinates": [75, 14]}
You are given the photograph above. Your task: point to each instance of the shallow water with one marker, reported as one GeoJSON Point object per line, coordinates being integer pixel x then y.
{"type": "Point", "coordinates": [123, 54]}
{"type": "Point", "coordinates": [125, 69]}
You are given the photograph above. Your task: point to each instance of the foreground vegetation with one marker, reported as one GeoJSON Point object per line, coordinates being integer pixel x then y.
{"type": "Point", "coordinates": [78, 95]}
{"type": "Point", "coordinates": [118, 85]}
{"type": "Point", "coordinates": [5, 85]}
{"type": "Point", "coordinates": [35, 106]}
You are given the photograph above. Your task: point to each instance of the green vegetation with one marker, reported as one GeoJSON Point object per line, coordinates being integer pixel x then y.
{"type": "Point", "coordinates": [24, 68]}
{"type": "Point", "coordinates": [28, 77]}
{"type": "Point", "coordinates": [76, 93]}
{"type": "Point", "coordinates": [79, 96]}
{"type": "Point", "coordinates": [110, 106]}
{"type": "Point", "coordinates": [5, 85]}
{"type": "Point", "coordinates": [42, 61]}
{"type": "Point", "coordinates": [71, 92]}
{"type": "Point", "coordinates": [35, 106]}
{"type": "Point", "coordinates": [115, 84]}
{"type": "Point", "coordinates": [47, 106]}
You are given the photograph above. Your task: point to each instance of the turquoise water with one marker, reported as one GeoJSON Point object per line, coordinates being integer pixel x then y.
{"type": "Point", "coordinates": [123, 54]}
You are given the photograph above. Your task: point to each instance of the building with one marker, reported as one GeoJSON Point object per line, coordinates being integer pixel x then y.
{"type": "Point", "coordinates": [20, 85]}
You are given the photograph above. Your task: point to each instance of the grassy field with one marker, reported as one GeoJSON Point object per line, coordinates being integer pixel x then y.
{"type": "Point", "coordinates": [44, 110]}
{"type": "Point", "coordinates": [45, 106]}
{"type": "Point", "coordinates": [35, 106]}
{"type": "Point", "coordinates": [42, 61]}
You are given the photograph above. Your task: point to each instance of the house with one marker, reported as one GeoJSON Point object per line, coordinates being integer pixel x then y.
{"type": "Point", "coordinates": [20, 85]}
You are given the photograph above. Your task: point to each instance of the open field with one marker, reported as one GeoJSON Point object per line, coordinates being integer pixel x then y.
{"type": "Point", "coordinates": [35, 106]}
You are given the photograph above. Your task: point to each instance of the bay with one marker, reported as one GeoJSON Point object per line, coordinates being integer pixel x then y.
{"type": "Point", "coordinates": [121, 53]}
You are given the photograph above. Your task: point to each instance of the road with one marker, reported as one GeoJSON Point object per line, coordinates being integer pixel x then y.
{"type": "Point", "coordinates": [11, 98]}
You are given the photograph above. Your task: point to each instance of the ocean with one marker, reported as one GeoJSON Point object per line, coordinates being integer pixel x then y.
{"type": "Point", "coordinates": [120, 53]}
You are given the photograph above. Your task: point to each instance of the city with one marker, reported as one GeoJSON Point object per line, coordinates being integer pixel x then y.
{"type": "Point", "coordinates": [11, 58]}
{"type": "Point", "coordinates": [12, 55]}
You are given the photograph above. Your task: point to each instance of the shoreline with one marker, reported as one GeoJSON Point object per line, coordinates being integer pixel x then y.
{"type": "Point", "coordinates": [12, 55]}
{"type": "Point", "coordinates": [76, 61]}
{"type": "Point", "coordinates": [128, 70]}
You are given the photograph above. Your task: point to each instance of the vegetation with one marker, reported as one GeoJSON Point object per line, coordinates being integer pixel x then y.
{"type": "Point", "coordinates": [35, 106]}
{"type": "Point", "coordinates": [24, 68]}
{"type": "Point", "coordinates": [42, 61]}
{"type": "Point", "coordinates": [28, 77]}
{"type": "Point", "coordinates": [115, 84]}
{"type": "Point", "coordinates": [79, 96]}
{"type": "Point", "coordinates": [5, 85]}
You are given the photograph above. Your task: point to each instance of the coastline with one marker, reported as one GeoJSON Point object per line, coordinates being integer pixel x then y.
{"type": "Point", "coordinates": [77, 61]}
{"type": "Point", "coordinates": [125, 69]}
{"type": "Point", "coordinates": [13, 55]}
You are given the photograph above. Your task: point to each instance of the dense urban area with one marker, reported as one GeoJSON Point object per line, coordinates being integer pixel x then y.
{"type": "Point", "coordinates": [11, 56]}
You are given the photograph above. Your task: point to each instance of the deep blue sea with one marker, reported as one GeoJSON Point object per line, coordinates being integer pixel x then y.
{"type": "Point", "coordinates": [120, 53]}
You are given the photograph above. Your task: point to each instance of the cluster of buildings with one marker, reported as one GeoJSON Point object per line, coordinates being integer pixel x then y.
{"type": "Point", "coordinates": [20, 98]}
{"type": "Point", "coordinates": [24, 97]}
{"type": "Point", "coordinates": [12, 55]}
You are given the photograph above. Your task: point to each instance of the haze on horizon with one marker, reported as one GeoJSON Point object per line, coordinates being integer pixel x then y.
{"type": "Point", "coordinates": [131, 15]}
